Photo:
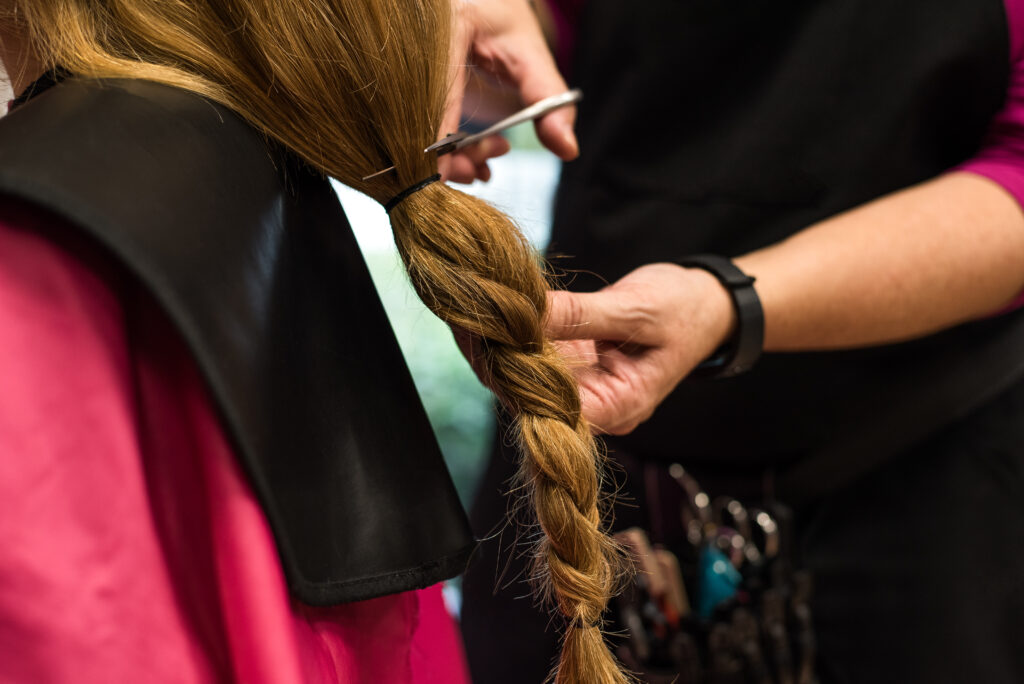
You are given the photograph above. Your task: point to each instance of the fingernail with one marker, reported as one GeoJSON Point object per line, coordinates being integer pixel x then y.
{"type": "Point", "coordinates": [569, 137]}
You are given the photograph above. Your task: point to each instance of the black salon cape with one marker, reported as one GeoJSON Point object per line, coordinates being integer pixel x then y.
{"type": "Point", "coordinates": [251, 257]}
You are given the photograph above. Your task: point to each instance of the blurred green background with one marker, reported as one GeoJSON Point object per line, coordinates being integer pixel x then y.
{"type": "Point", "coordinates": [459, 407]}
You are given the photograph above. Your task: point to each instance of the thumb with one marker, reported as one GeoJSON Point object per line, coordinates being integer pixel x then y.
{"type": "Point", "coordinates": [590, 316]}
{"type": "Point", "coordinates": [537, 77]}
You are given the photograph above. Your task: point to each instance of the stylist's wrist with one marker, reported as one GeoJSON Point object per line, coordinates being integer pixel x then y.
{"type": "Point", "coordinates": [630, 343]}
{"type": "Point", "coordinates": [716, 317]}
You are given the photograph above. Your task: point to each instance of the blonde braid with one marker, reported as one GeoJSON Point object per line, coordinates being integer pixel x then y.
{"type": "Point", "coordinates": [483, 277]}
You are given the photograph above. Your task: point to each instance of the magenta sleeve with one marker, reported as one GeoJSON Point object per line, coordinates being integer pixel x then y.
{"type": "Point", "coordinates": [565, 15]}
{"type": "Point", "coordinates": [1001, 158]}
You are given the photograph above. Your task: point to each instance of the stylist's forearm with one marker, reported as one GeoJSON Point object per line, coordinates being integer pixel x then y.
{"type": "Point", "coordinates": [912, 263]}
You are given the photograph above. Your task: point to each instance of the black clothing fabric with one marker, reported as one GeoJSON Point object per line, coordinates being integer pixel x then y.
{"type": "Point", "coordinates": [714, 127]}
{"type": "Point", "coordinates": [791, 113]}
{"type": "Point", "coordinates": [250, 254]}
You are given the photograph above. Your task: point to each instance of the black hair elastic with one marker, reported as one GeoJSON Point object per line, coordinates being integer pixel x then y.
{"type": "Point", "coordinates": [391, 203]}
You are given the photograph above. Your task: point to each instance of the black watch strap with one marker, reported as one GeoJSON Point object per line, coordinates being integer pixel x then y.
{"type": "Point", "coordinates": [742, 352]}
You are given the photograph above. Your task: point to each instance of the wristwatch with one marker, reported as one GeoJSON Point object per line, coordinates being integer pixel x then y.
{"type": "Point", "coordinates": [739, 354]}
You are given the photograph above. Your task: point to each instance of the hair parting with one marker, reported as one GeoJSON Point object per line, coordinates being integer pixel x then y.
{"type": "Point", "coordinates": [352, 87]}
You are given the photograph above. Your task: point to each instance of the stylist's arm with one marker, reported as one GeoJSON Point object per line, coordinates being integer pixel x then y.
{"type": "Point", "coordinates": [906, 265]}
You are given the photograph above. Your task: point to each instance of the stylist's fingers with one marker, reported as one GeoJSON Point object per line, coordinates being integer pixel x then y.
{"type": "Point", "coordinates": [532, 70]}
{"type": "Point", "coordinates": [579, 355]}
{"type": "Point", "coordinates": [535, 75]}
{"type": "Point", "coordinates": [577, 316]}
{"type": "Point", "coordinates": [457, 169]}
{"type": "Point", "coordinates": [470, 163]}
{"type": "Point", "coordinates": [490, 147]}
{"type": "Point", "coordinates": [520, 55]}
{"type": "Point", "coordinates": [608, 314]}
{"type": "Point", "coordinates": [504, 38]}
{"type": "Point", "coordinates": [602, 403]}
{"type": "Point", "coordinates": [463, 29]}
{"type": "Point", "coordinates": [556, 131]}
{"type": "Point", "coordinates": [624, 389]}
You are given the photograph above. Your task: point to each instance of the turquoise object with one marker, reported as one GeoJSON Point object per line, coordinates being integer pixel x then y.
{"type": "Point", "coordinates": [718, 581]}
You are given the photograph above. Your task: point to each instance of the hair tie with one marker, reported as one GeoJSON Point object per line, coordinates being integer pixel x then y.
{"type": "Point", "coordinates": [390, 204]}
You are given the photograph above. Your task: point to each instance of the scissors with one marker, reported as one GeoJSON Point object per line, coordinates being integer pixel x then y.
{"type": "Point", "coordinates": [456, 141]}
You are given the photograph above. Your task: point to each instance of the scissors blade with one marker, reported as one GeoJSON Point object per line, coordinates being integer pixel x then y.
{"type": "Point", "coordinates": [447, 144]}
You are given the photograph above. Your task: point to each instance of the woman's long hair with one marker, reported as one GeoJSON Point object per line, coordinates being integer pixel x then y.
{"type": "Point", "coordinates": [353, 86]}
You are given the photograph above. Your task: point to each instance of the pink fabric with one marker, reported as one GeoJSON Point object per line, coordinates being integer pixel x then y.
{"type": "Point", "coordinates": [1001, 157]}
{"type": "Point", "coordinates": [133, 549]}
{"type": "Point", "coordinates": [565, 14]}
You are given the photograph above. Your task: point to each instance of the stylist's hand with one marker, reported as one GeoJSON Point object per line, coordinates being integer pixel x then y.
{"type": "Point", "coordinates": [632, 342]}
{"type": "Point", "coordinates": [503, 38]}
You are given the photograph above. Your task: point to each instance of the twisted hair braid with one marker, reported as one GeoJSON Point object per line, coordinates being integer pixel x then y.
{"type": "Point", "coordinates": [483, 277]}
{"type": "Point", "coordinates": [352, 87]}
